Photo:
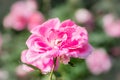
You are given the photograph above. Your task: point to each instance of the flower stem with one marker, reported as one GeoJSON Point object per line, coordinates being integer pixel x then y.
{"type": "Point", "coordinates": [51, 73]}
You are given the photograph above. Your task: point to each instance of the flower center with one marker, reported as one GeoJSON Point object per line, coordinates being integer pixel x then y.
{"type": "Point", "coordinates": [57, 42]}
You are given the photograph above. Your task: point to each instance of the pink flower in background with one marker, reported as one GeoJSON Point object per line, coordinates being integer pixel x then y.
{"type": "Point", "coordinates": [23, 70]}
{"type": "Point", "coordinates": [107, 20]}
{"type": "Point", "coordinates": [111, 26]}
{"type": "Point", "coordinates": [20, 13]}
{"type": "Point", "coordinates": [98, 62]}
{"type": "Point", "coordinates": [17, 22]}
{"type": "Point", "coordinates": [24, 7]}
{"type": "Point", "coordinates": [35, 19]}
{"type": "Point", "coordinates": [83, 16]}
{"type": "Point", "coordinates": [53, 40]}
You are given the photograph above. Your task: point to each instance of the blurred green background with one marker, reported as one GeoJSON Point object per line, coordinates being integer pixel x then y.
{"type": "Point", "coordinates": [14, 41]}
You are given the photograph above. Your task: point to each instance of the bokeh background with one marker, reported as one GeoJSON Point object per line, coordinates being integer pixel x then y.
{"type": "Point", "coordinates": [100, 17]}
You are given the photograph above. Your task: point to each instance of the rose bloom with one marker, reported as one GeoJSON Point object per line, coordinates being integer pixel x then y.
{"type": "Point", "coordinates": [55, 40]}
{"type": "Point", "coordinates": [44, 64]}
{"type": "Point", "coordinates": [23, 70]}
{"type": "Point", "coordinates": [111, 26]}
{"type": "Point", "coordinates": [20, 13]}
{"type": "Point", "coordinates": [17, 22]}
{"type": "Point", "coordinates": [98, 62]}
{"type": "Point", "coordinates": [35, 19]}
{"type": "Point", "coordinates": [83, 16]}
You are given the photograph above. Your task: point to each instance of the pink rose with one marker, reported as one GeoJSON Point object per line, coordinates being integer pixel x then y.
{"type": "Point", "coordinates": [23, 70]}
{"type": "Point", "coordinates": [83, 16]}
{"type": "Point", "coordinates": [58, 40]}
{"type": "Point", "coordinates": [24, 7]}
{"type": "Point", "coordinates": [23, 13]}
{"type": "Point", "coordinates": [111, 25]}
{"type": "Point", "coordinates": [98, 62]}
{"type": "Point", "coordinates": [43, 63]}
{"type": "Point", "coordinates": [35, 19]}
{"type": "Point", "coordinates": [14, 21]}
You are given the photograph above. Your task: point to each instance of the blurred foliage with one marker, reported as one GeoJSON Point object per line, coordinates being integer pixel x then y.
{"type": "Point", "coordinates": [14, 41]}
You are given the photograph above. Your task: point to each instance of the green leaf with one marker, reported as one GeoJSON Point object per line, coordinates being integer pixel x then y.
{"type": "Point", "coordinates": [71, 64]}
{"type": "Point", "coordinates": [57, 74]}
